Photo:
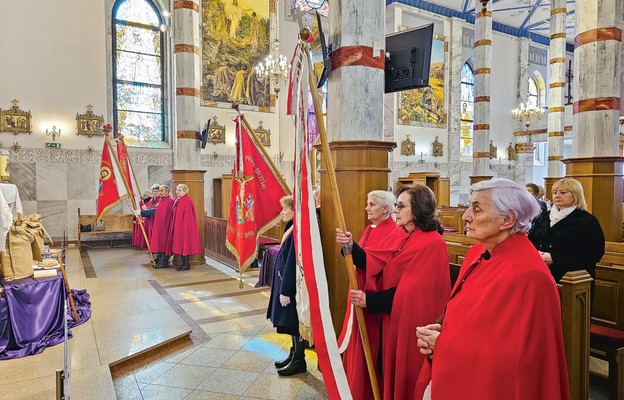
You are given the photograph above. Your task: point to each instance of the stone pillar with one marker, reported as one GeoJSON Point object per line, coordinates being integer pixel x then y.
{"type": "Point", "coordinates": [187, 38]}
{"type": "Point", "coordinates": [194, 179]}
{"type": "Point", "coordinates": [557, 87]}
{"type": "Point", "coordinates": [596, 111]}
{"type": "Point", "coordinates": [453, 30]}
{"type": "Point", "coordinates": [356, 94]}
{"type": "Point", "coordinates": [524, 164]}
{"type": "Point", "coordinates": [482, 71]}
{"type": "Point", "coordinates": [186, 152]}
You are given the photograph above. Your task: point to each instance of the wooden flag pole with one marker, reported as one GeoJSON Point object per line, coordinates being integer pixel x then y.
{"type": "Point", "coordinates": [68, 288]}
{"type": "Point", "coordinates": [305, 34]}
{"type": "Point", "coordinates": [134, 205]}
{"type": "Point", "coordinates": [260, 146]}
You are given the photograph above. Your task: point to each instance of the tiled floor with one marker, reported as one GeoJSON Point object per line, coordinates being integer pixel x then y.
{"type": "Point", "coordinates": [229, 355]}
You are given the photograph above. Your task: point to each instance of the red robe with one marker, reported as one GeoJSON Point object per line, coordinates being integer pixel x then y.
{"type": "Point", "coordinates": [138, 239]}
{"type": "Point", "coordinates": [417, 265]}
{"type": "Point", "coordinates": [353, 358]}
{"type": "Point", "coordinates": [161, 226]}
{"type": "Point", "coordinates": [184, 235]}
{"type": "Point", "coordinates": [501, 336]}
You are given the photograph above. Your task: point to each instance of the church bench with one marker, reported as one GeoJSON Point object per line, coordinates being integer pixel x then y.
{"type": "Point", "coordinates": [451, 218]}
{"type": "Point", "coordinates": [117, 230]}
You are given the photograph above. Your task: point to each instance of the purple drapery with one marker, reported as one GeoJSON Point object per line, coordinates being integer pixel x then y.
{"type": "Point", "coordinates": [31, 315]}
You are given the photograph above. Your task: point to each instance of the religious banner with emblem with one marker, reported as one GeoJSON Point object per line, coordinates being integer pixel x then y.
{"type": "Point", "coordinates": [111, 188]}
{"type": "Point", "coordinates": [254, 202]}
{"type": "Point", "coordinates": [127, 171]}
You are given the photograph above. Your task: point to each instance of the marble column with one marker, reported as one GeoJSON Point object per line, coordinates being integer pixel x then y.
{"type": "Point", "coordinates": [453, 30]}
{"type": "Point", "coordinates": [482, 71]}
{"type": "Point", "coordinates": [187, 38]}
{"type": "Point", "coordinates": [186, 152]}
{"type": "Point", "coordinates": [557, 87]}
{"type": "Point", "coordinates": [595, 161]}
{"type": "Point", "coordinates": [524, 164]}
{"type": "Point", "coordinates": [355, 129]}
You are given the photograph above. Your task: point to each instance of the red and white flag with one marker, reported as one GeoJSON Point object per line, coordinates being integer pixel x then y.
{"type": "Point", "coordinates": [111, 189]}
{"type": "Point", "coordinates": [126, 170]}
{"type": "Point", "coordinates": [310, 259]}
{"type": "Point", "coordinates": [254, 202]}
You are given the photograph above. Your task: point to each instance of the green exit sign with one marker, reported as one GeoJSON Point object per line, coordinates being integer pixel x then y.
{"type": "Point", "coordinates": [53, 145]}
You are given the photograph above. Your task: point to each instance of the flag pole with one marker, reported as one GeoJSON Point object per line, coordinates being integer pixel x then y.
{"type": "Point", "coordinates": [305, 34]}
{"type": "Point", "coordinates": [134, 205]}
{"type": "Point", "coordinates": [260, 146]}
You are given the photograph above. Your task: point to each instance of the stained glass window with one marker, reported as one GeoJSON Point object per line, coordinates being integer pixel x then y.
{"type": "Point", "coordinates": [533, 95]}
{"type": "Point", "coordinates": [467, 113]}
{"type": "Point", "coordinates": [322, 6]}
{"type": "Point", "coordinates": [138, 71]}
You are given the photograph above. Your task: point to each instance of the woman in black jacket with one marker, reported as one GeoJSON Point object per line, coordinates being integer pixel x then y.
{"type": "Point", "coordinates": [282, 309]}
{"type": "Point", "coordinates": [568, 237]}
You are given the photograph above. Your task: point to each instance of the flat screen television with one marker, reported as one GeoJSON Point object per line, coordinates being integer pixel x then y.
{"type": "Point", "coordinates": [408, 58]}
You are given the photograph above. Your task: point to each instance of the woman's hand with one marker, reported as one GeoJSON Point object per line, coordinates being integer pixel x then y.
{"type": "Point", "coordinates": [284, 300]}
{"type": "Point", "coordinates": [344, 238]}
{"type": "Point", "coordinates": [358, 298]}
{"type": "Point", "coordinates": [427, 336]}
{"type": "Point", "coordinates": [546, 257]}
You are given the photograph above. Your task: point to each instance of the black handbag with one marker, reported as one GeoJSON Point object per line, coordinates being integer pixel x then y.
{"type": "Point", "coordinates": [86, 228]}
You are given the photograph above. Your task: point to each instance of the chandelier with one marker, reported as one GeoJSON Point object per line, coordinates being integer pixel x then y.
{"type": "Point", "coordinates": [274, 68]}
{"type": "Point", "coordinates": [526, 114]}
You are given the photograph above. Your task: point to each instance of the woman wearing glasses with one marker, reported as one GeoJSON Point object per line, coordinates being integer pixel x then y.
{"type": "Point", "coordinates": [415, 283]}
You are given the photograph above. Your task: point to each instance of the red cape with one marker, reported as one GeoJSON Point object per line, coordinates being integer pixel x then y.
{"type": "Point", "coordinates": [138, 239]}
{"type": "Point", "coordinates": [417, 265]}
{"type": "Point", "coordinates": [161, 226]}
{"type": "Point", "coordinates": [502, 336]}
{"type": "Point", "coordinates": [353, 358]}
{"type": "Point", "coordinates": [184, 237]}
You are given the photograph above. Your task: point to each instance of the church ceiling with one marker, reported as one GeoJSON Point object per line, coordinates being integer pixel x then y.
{"type": "Point", "coordinates": [520, 18]}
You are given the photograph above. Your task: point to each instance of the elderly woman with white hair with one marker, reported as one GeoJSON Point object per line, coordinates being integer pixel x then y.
{"type": "Point", "coordinates": [500, 336]}
{"type": "Point", "coordinates": [379, 206]}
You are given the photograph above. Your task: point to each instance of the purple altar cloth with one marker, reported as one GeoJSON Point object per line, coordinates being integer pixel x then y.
{"type": "Point", "coordinates": [31, 315]}
{"type": "Point", "coordinates": [265, 278]}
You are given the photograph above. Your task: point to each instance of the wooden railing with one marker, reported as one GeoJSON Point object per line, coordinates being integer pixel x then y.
{"type": "Point", "coordinates": [214, 241]}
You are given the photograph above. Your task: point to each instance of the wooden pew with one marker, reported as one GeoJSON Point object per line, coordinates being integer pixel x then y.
{"type": "Point", "coordinates": [117, 232]}
{"type": "Point", "coordinates": [451, 218]}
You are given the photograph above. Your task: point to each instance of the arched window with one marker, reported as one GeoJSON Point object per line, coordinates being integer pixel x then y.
{"type": "Point", "coordinates": [138, 71]}
{"type": "Point", "coordinates": [467, 112]}
{"type": "Point", "coordinates": [536, 96]}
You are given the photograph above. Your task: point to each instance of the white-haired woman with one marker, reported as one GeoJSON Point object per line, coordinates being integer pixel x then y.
{"type": "Point", "coordinates": [184, 235]}
{"type": "Point", "coordinates": [568, 238]}
{"type": "Point", "coordinates": [379, 206]}
{"type": "Point", "coordinates": [500, 336]}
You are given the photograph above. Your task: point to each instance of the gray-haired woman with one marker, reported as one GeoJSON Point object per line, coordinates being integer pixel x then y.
{"type": "Point", "coordinates": [500, 336]}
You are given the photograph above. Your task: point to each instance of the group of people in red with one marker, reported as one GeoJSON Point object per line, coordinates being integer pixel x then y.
{"type": "Point", "coordinates": [496, 334]}
{"type": "Point", "coordinates": [170, 226]}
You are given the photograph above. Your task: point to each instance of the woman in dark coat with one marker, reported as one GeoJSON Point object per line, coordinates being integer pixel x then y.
{"type": "Point", "coordinates": [568, 237]}
{"type": "Point", "coordinates": [282, 309]}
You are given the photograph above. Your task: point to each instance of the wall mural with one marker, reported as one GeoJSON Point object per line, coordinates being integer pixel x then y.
{"type": "Point", "coordinates": [425, 106]}
{"type": "Point", "coordinates": [235, 37]}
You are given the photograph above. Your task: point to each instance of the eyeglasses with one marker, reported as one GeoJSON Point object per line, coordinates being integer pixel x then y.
{"type": "Point", "coordinates": [400, 206]}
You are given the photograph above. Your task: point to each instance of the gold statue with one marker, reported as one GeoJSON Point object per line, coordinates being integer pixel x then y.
{"type": "Point", "coordinates": [493, 150]}
{"type": "Point", "coordinates": [512, 153]}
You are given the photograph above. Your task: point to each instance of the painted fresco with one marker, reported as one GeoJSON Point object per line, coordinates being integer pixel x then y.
{"type": "Point", "coordinates": [235, 37]}
{"type": "Point", "coordinates": [425, 106]}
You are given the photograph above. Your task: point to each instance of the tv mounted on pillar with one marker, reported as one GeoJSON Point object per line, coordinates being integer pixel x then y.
{"type": "Point", "coordinates": [408, 58]}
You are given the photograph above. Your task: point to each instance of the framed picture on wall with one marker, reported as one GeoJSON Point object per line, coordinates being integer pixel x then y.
{"type": "Point", "coordinates": [15, 120]}
{"type": "Point", "coordinates": [89, 124]}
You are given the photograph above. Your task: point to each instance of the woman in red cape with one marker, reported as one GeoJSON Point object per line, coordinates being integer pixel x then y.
{"type": "Point", "coordinates": [379, 206]}
{"type": "Point", "coordinates": [501, 335]}
{"type": "Point", "coordinates": [160, 229]}
{"type": "Point", "coordinates": [184, 236]}
{"type": "Point", "coordinates": [415, 285]}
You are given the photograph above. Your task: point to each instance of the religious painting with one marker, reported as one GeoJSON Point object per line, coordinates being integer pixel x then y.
{"type": "Point", "coordinates": [425, 106]}
{"type": "Point", "coordinates": [216, 132]}
{"type": "Point", "coordinates": [89, 124]}
{"type": "Point", "coordinates": [235, 39]}
{"type": "Point", "coordinates": [15, 120]}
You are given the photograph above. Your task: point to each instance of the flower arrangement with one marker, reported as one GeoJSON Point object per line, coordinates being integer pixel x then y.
{"type": "Point", "coordinates": [107, 129]}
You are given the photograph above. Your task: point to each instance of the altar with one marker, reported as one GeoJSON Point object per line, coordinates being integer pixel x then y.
{"type": "Point", "coordinates": [31, 314]}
